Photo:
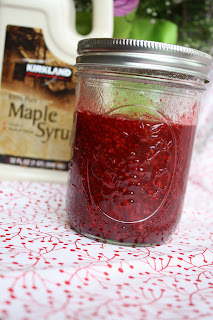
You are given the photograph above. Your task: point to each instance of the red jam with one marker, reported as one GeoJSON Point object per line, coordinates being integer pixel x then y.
{"type": "Point", "coordinates": [128, 177]}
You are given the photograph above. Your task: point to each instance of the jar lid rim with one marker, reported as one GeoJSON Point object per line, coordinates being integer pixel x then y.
{"type": "Point", "coordinates": [144, 54]}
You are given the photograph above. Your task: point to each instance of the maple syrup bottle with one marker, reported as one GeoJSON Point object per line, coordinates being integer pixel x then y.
{"type": "Point", "coordinates": [38, 48]}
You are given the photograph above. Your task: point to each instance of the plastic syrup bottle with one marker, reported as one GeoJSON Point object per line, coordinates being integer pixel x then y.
{"type": "Point", "coordinates": [38, 42]}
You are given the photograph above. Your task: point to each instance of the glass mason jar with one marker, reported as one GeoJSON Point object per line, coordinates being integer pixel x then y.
{"type": "Point", "coordinates": [137, 108]}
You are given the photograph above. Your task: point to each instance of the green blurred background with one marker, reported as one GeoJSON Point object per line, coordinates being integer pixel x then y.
{"type": "Point", "coordinates": [183, 22]}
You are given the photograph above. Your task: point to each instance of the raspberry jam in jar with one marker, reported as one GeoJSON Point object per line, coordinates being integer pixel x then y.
{"type": "Point", "coordinates": [137, 107]}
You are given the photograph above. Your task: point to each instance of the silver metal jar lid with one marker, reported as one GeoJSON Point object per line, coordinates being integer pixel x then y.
{"type": "Point", "coordinates": [143, 54]}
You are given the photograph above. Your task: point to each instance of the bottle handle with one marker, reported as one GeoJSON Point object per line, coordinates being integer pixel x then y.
{"type": "Point", "coordinates": [67, 37]}
{"type": "Point", "coordinates": [102, 24]}
{"type": "Point", "coordinates": [103, 19]}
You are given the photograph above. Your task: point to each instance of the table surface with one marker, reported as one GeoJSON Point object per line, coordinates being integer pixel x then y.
{"type": "Point", "coordinates": [48, 271]}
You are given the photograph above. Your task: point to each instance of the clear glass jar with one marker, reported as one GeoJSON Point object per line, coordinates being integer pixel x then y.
{"type": "Point", "coordinates": [135, 124]}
